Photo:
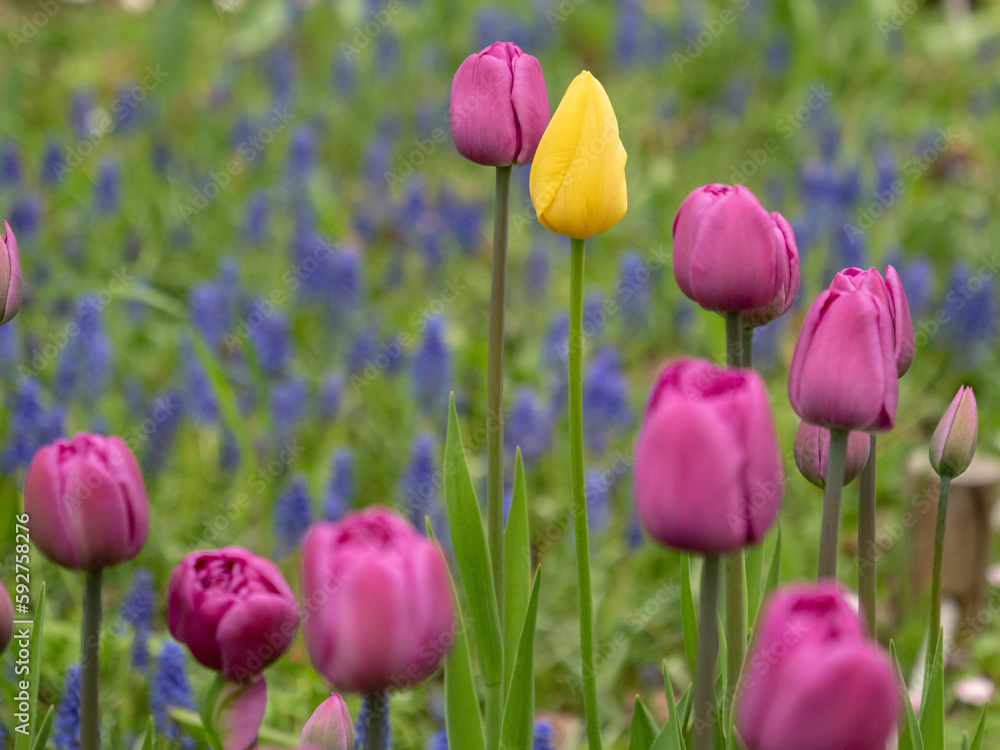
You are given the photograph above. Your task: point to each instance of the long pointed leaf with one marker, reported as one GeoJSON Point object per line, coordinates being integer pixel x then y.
{"type": "Point", "coordinates": [517, 570]}
{"type": "Point", "coordinates": [644, 729]}
{"type": "Point", "coordinates": [517, 729]}
{"type": "Point", "coordinates": [469, 542]}
{"type": "Point", "coordinates": [689, 620]}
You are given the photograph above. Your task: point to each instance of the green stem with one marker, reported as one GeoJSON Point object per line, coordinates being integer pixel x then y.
{"type": "Point", "coordinates": [942, 514]}
{"type": "Point", "coordinates": [579, 494]}
{"type": "Point", "coordinates": [736, 631]}
{"type": "Point", "coordinates": [831, 503]}
{"type": "Point", "coordinates": [866, 540]}
{"type": "Point", "coordinates": [90, 642]}
{"type": "Point", "coordinates": [703, 728]}
{"type": "Point", "coordinates": [748, 348]}
{"type": "Point", "coordinates": [375, 721]}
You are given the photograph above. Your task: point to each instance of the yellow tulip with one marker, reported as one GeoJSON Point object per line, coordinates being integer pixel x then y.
{"type": "Point", "coordinates": [578, 175]}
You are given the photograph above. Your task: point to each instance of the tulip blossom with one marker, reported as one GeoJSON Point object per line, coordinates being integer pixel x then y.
{"type": "Point", "coordinates": [87, 502]}
{"type": "Point", "coordinates": [843, 372]}
{"type": "Point", "coordinates": [731, 255]}
{"type": "Point", "coordinates": [330, 726]}
{"type": "Point", "coordinates": [812, 451]}
{"type": "Point", "coordinates": [11, 289]}
{"type": "Point", "coordinates": [577, 181]}
{"type": "Point", "coordinates": [6, 619]}
{"type": "Point", "coordinates": [499, 106]}
{"type": "Point", "coordinates": [708, 474]}
{"type": "Point", "coordinates": [954, 441]}
{"type": "Point", "coordinates": [379, 597]}
{"type": "Point", "coordinates": [233, 610]}
{"type": "Point", "coordinates": [813, 679]}
{"type": "Point", "coordinates": [890, 290]}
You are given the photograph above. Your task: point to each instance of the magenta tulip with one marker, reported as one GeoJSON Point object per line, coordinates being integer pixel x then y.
{"type": "Point", "coordinates": [890, 290]}
{"type": "Point", "coordinates": [233, 610]}
{"type": "Point", "coordinates": [6, 619]}
{"type": "Point", "coordinates": [330, 726]}
{"type": "Point", "coordinates": [843, 372]}
{"type": "Point", "coordinates": [708, 474]}
{"type": "Point", "coordinates": [731, 255]}
{"type": "Point", "coordinates": [812, 450]}
{"type": "Point", "coordinates": [87, 502]}
{"type": "Point", "coordinates": [954, 441]}
{"type": "Point", "coordinates": [812, 679]}
{"type": "Point", "coordinates": [378, 598]}
{"type": "Point", "coordinates": [499, 106]}
{"type": "Point", "coordinates": [11, 289]}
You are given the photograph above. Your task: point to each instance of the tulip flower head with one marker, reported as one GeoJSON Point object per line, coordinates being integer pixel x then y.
{"type": "Point", "coordinates": [812, 451]}
{"type": "Point", "coordinates": [843, 372]}
{"type": "Point", "coordinates": [812, 679]}
{"type": "Point", "coordinates": [233, 610]}
{"type": "Point", "coordinates": [731, 255]}
{"type": "Point", "coordinates": [708, 474]}
{"type": "Point", "coordinates": [577, 180]}
{"type": "Point", "coordinates": [87, 502]}
{"type": "Point", "coordinates": [330, 726]}
{"type": "Point", "coordinates": [11, 289]}
{"type": "Point", "coordinates": [380, 599]}
{"type": "Point", "coordinates": [954, 441]}
{"type": "Point", "coordinates": [499, 106]}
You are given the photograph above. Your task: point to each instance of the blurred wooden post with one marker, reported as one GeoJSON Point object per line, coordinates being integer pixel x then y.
{"type": "Point", "coordinates": [968, 540]}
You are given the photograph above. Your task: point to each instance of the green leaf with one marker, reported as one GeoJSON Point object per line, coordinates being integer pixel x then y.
{"type": "Point", "coordinates": [26, 741]}
{"type": "Point", "coordinates": [644, 728]}
{"type": "Point", "coordinates": [469, 543]}
{"type": "Point", "coordinates": [932, 703]}
{"type": "Point", "coordinates": [689, 620]}
{"type": "Point", "coordinates": [909, 733]}
{"type": "Point", "coordinates": [517, 570]}
{"type": "Point", "coordinates": [977, 740]}
{"type": "Point", "coordinates": [519, 713]}
{"type": "Point", "coordinates": [44, 730]}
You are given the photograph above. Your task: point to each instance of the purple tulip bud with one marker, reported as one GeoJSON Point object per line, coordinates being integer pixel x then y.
{"type": "Point", "coordinates": [379, 601]}
{"type": "Point", "coordinates": [233, 610]}
{"type": "Point", "coordinates": [954, 441]}
{"type": "Point", "coordinates": [731, 255]}
{"type": "Point", "coordinates": [239, 712]}
{"type": "Point", "coordinates": [843, 372]}
{"type": "Point", "coordinates": [890, 290]}
{"type": "Point", "coordinates": [812, 679]}
{"type": "Point", "coordinates": [812, 451]}
{"type": "Point", "coordinates": [11, 288]}
{"type": "Point", "coordinates": [330, 727]}
{"type": "Point", "coordinates": [708, 474]}
{"type": "Point", "coordinates": [87, 502]}
{"type": "Point", "coordinates": [499, 106]}
{"type": "Point", "coordinates": [6, 619]}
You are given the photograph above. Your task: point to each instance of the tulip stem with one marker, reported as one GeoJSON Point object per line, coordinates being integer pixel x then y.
{"type": "Point", "coordinates": [736, 631]}
{"type": "Point", "coordinates": [579, 494]}
{"type": "Point", "coordinates": [703, 727]}
{"type": "Point", "coordinates": [90, 641]}
{"type": "Point", "coordinates": [374, 721]}
{"type": "Point", "coordinates": [866, 540]}
{"type": "Point", "coordinates": [942, 513]}
{"type": "Point", "coordinates": [748, 348]}
{"type": "Point", "coordinates": [831, 503]}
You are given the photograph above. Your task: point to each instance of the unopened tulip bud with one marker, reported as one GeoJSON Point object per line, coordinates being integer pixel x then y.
{"type": "Point", "coordinates": [330, 726]}
{"type": "Point", "coordinates": [812, 451]}
{"type": "Point", "coordinates": [11, 289]}
{"type": "Point", "coordinates": [954, 441]}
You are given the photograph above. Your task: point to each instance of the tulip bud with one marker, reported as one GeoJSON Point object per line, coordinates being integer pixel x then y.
{"type": "Point", "coordinates": [11, 289]}
{"type": "Point", "coordinates": [812, 451]}
{"type": "Point", "coordinates": [379, 597]}
{"type": "Point", "coordinates": [239, 713]}
{"type": "Point", "coordinates": [499, 106]}
{"type": "Point", "coordinates": [330, 726]}
{"type": "Point", "coordinates": [6, 619]}
{"type": "Point", "coordinates": [954, 441]}
{"type": "Point", "coordinates": [233, 610]}
{"type": "Point", "coordinates": [708, 474]}
{"type": "Point", "coordinates": [843, 371]}
{"type": "Point", "coordinates": [577, 180]}
{"type": "Point", "coordinates": [87, 502]}
{"type": "Point", "coordinates": [890, 290]}
{"type": "Point", "coordinates": [812, 679]}
{"type": "Point", "coordinates": [731, 255]}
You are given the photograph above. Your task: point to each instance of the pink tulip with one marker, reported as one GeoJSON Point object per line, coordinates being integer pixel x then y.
{"type": "Point", "coordinates": [708, 474]}
{"type": "Point", "coordinates": [378, 599]}
{"type": "Point", "coordinates": [890, 290]}
{"type": "Point", "coordinates": [843, 372]}
{"type": "Point", "coordinates": [87, 502]}
{"type": "Point", "coordinates": [812, 450]}
{"type": "Point", "coordinates": [330, 726]}
{"type": "Point", "coordinates": [812, 679]}
{"type": "Point", "coordinates": [730, 254]}
{"type": "Point", "coordinates": [11, 289]}
{"type": "Point", "coordinates": [6, 619]}
{"type": "Point", "coordinates": [233, 610]}
{"type": "Point", "coordinates": [499, 106]}
{"type": "Point", "coordinates": [954, 441]}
